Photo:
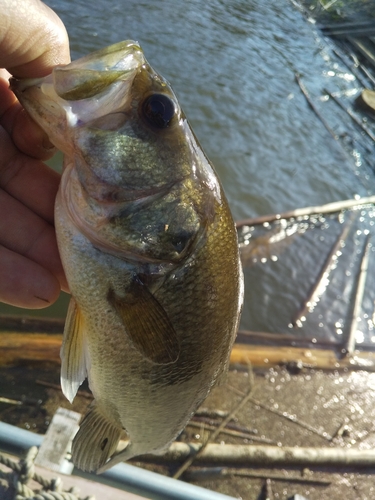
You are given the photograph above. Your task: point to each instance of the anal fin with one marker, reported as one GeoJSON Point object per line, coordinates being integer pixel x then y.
{"type": "Point", "coordinates": [122, 456]}
{"type": "Point", "coordinates": [95, 441]}
{"type": "Point", "coordinates": [73, 352]}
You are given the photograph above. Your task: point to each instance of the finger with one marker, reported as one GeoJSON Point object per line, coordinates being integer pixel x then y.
{"type": "Point", "coordinates": [26, 134]}
{"type": "Point", "coordinates": [28, 180]}
{"type": "Point", "coordinates": [34, 38]}
{"type": "Point", "coordinates": [27, 207]}
{"type": "Point", "coordinates": [24, 283]}
{"type": "Point", "coordinates": [27, 234]}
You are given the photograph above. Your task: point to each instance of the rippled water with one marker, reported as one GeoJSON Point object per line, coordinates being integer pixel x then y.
{"type": "Point", "coordinates": [232, 64]}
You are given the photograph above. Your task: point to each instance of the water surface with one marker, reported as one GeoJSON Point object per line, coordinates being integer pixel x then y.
{"type": "Point", "coordinates": [232, 64]}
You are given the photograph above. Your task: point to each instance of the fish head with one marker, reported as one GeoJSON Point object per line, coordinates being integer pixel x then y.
{"type": "Point", "coordinates": [74, 96]}
{"type": "Point", "coordinates": [102, 109]}
{"type": "Point", "coordinates": [127, 146]}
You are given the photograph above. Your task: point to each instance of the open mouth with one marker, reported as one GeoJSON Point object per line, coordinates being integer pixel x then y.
{"type": "Point", "coordinates": [84, 91]}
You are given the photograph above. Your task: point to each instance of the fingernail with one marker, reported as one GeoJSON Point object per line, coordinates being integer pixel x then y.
{"type": "Point", "coordinates": [47, 144]}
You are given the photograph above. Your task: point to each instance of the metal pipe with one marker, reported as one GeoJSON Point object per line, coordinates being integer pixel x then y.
{"type": "Point", "coordinates": [159, 487]}
{"type": "Point", "coordinates": [123, 476]}
{"type": "Point", "coordinates": [17, 441]}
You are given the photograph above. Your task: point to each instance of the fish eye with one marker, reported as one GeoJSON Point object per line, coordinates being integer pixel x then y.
{"type": "Point", "coordinates": [158, 109]}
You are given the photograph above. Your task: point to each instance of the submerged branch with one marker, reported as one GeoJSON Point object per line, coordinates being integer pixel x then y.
{"type": "Point", "coordinates": [336, 206]}
{"type": "Point", "coordinates": [351, 341]}
{"type": "Point", "coordinates": [319, 286]}
{"type": "Point", "coordinates": [352, 115]}
{"type": "Point", "coordinates": [313, 107]}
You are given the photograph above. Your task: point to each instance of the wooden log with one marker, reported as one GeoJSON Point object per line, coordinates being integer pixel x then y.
{"type": "Point", "coordinates": [286, 339]}
{"type": "Point", "coordinates": [22, 348]}
{"type": "Point", "coordinates": [366, 100]}
{"type": "Point", "coordinates": [29, 324]}
{"type": "Point", "coordinates": [266, 456]}
{"type": "Point", "coordinates": [267, 356]}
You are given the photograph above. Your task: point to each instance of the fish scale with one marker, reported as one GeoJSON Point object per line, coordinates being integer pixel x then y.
{"type": "Point", "coordinates": [149, 248]}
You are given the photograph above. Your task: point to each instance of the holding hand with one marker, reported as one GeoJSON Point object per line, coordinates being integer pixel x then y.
{"type": "Point", "coordinates": [32, 41]}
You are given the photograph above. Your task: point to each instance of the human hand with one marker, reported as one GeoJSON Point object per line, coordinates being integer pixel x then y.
{"type": "Point", "coordinates": [32, 40]}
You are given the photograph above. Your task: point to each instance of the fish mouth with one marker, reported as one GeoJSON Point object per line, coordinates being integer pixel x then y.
{"type": "Point", "coordinates": [94, 88]}
{"type": "Point", "coordinates": [90, 75]}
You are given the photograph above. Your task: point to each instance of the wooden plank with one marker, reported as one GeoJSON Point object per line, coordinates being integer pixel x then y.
{"type": "Point", "coordinates": [58, 440]}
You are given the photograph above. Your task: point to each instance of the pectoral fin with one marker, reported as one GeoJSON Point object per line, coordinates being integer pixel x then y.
{"type": "Point", "coordinates": [147, 324]}
{"type": "Point", "coordinates": [95, 441]}
{"type": "Point", "coordinates": [73, 352]}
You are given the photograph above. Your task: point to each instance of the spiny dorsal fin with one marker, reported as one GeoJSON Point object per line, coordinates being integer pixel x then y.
{"type": "Point", "coordinates": [73, 352]}
{"type": "Point", "coordinates": [95, 441]}
{"type": "Point", "coordinates": [146, 323]}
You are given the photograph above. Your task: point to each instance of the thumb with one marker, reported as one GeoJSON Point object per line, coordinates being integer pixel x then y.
{"type": "Point", "coordinates": [33, 39]}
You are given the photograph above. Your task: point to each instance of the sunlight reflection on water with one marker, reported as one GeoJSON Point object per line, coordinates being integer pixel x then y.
{"type": "Point", "coordinates": [232, 65]}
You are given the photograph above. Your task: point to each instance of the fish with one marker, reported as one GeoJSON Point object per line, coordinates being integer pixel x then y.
{"type": "Point", "coordinates": [149, 248]}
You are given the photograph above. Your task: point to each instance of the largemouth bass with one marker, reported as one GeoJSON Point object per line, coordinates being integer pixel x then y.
{"type": "Point", "coordinates": [149, 249]}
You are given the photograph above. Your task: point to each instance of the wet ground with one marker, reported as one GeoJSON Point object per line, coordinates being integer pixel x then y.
{"type": "Point", "coordinates": [310, 408]}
